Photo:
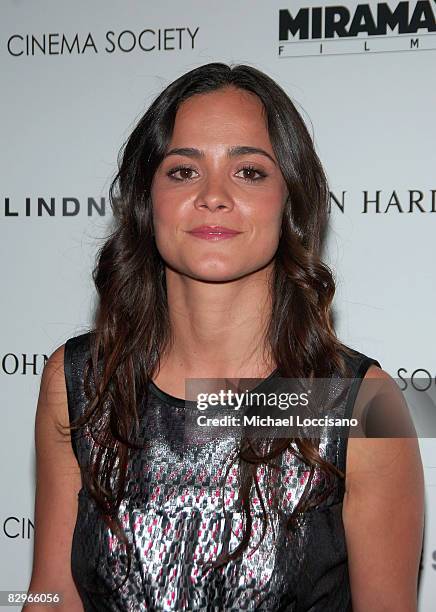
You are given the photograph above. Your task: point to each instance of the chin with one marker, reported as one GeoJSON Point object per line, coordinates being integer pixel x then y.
{"type": "Point", "coordinates": [219, 274]}
{"type": "Point", "coordinates": [214, 276]}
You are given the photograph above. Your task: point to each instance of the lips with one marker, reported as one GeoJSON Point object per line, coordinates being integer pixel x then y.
{"type": "Point", "coordinates": [214, 233]}
{"type": "Point", "coordinates": [214, 230]}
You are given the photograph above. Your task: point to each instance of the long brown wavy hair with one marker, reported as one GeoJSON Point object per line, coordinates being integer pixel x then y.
{"type": "Point", "coordinates": [132, 326]}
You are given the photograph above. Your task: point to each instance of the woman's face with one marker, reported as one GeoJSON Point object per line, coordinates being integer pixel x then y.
{"type": "Point", "coordinates": [219, 170]}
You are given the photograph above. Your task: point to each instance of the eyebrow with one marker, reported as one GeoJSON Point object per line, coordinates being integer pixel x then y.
{"type": "Point", "coordinates": [231, 152]}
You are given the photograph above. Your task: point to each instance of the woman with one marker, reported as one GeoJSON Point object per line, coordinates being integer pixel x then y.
{"type": "Point", "coordinates": [213, 271]}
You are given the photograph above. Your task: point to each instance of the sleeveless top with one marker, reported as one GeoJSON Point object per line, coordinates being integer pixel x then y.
{"type": "Point", "coordinates": [172, 513]}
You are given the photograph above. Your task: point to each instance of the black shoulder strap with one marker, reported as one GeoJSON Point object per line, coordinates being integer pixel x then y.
{"type": "Point", "coordinates": [75, 354]}
{"type": "Point", "coordinates": [360, 364]}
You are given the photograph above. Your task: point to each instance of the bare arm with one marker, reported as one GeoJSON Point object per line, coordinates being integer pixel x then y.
{"type": "Point", "coordinates": [58, 482]}
{"type": "Point", "coordinates": [383, 516]}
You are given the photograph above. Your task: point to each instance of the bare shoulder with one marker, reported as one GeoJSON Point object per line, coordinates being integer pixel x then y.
{"type": "Point", "coordinates": [53, 385]}
{"type": "Point", "coordinates": [58, 482]}
{"type": "Point", "coordinates": [383, 510]}
{"type": "Point", "coordinates": [52, 408]}
{"type": "Point", "coordinates": [371, 454]}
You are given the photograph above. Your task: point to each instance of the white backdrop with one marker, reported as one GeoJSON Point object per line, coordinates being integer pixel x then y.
{"type": "Point", "coordinates": [74, 80]}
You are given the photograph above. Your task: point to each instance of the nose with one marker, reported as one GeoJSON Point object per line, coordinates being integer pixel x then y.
{"type": "Point", "coordinates": [214, 194]}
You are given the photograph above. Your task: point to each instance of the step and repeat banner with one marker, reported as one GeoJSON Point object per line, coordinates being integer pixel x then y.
{"type": "Point", "coordinates": [75, 78]}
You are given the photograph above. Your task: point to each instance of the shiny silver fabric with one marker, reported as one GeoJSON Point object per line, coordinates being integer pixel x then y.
{"type": "Point", "coordinates": [173, 514]}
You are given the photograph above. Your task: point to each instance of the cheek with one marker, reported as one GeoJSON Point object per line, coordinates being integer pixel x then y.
{"type": "Point", "coordinates": [170, 204]}
{"type": "Point", "coordinates": [166, 209]}
{"type": "Point", "coordinates": [161, 212]}
{"type": "Point", "coordinates": [266, 209]}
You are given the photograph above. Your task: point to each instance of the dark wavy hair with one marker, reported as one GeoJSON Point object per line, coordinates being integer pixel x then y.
{"type": "Point", "coordinates": [132, 327]}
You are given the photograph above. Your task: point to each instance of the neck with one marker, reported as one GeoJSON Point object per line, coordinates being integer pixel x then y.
{"type": "Point", "coordinates": [218, 328]}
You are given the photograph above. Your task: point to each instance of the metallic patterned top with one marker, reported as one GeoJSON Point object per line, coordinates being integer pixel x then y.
{"type": "Point", "coordinates": [172, 513]}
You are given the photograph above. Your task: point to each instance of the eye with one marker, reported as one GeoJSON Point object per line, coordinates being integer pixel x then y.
{"type": "Point", "coordinates": [184, 172]}
{"type": "Point", "coordinates": [250, 173]}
